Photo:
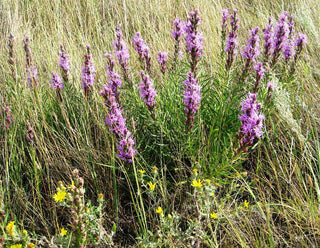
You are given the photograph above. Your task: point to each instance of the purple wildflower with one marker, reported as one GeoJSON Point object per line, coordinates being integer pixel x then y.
{"type": "Point", "coordinates": [192, 98]}
{"type": "Point", "coordinates": [113, 77]}
{"type": "Point", "coordinates": [176, 34]}
{"type": "Point", "coordinates": [162, 59]}
{"type": "Point", "coordinates": [271, 87]}
{"type": "Point", "coordinates": [291, 24]}
{"type": "Point", "coordinates": [300, 41]}
{"type": "Point", "coordinates": [268, 39]}
{"type": "Point", "coordinates": [147, 91]}
{"type": "Point", "coordinates": [252, 50]}
{"type": "Point", "coordinates": [117, 124]}
{"type": "Point", "coordinates": [27, 51]}
{"type": "Point", "coordinates": [288, 50]}
{"type": "Point", "coordinates": [122, 52]}
{"type": "Point", "coordinates": [224, 24]}
{"type": "Point", "coordinates": [56, 81]}
{"type": "Point", "coordinates": [31, 70]}
{"type": "Point", "coordinates": [280, 37]}
{"type": "Point", "coordinates": [194, 39]}
{"type": "Point", "coordinates": [259, 75]}
{"type": "Point", "coordinates": [88, 72]}
{"type": "Point", "coordinates": [64, 63]}
{"type": "Point", "coordinates": [8, 112]}
{"type": "Point", "coordinates": [252, 121]}
{"type": "Point", "coordinates": [143, 50]}
{"type": "Point", "coordinates": [232, 42]}
{"type": "Point", "coordinates": [11, 60]}
{"type": "Point", "coordinates": [32, 73]}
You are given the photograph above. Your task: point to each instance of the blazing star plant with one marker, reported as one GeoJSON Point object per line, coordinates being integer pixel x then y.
{"type": "Point", "coordinates": [88, 72]}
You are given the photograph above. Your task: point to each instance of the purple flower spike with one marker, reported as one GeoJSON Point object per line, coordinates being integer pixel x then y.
{"type": "Point", "coordinates": [27, 51]}
{"type": "Point", "coordinates": [117, 124]}
{"type": "Point", "coordinates": [224, 24]}
{"type": "Point", "coordinates": [252, 121]}
{"type": "Point", "coordinates": [252, 50]}
{"type": "Point", "coordinates": [57, 83]}
{"type": "Point", "coordinates": [300, 41]}
{"type": "Point", "coordinates": [288, 50]}
{"type": "Point", "coordinates": [143, 50]}
{"type": "Point", "coordinates": [113, 77]}
{"type": "Point", "coordinates": [162, 59]}
{"type": "Point", "coordinates": [122, 53]}
{"type": "Point", "coordinates": [177, 34]}
{"type": "Point", "coordinates": [281, 35]}
{"type": "Point", "coordinates": [8, 112]}
{"type": "Point", "coordinates": [32, 73]}
{"type": "Point", "coordinates": [268, 39]}
{"type": "Point", "coordinates": [88, 72]}
{"type": "Point", "coordinates": [271, 87]}
{"type": "Point", "coordinates": [232, 41]}
{"type": "Point", "coordinates": [64, 63]}
{"type": "Point", "coordinates": [194, 39]}
{"type": "Point", "coordinates": [260, 74]}
{"type": "Point", "coordinates": [291, 25]}
{"type": "Point", "coordinates": [192, 98]}
{"type": "Point", "coordinates": [147, 91]}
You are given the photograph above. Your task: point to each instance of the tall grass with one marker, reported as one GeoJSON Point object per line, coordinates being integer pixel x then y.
{"type": "Point", "coordinates": [268, 196]}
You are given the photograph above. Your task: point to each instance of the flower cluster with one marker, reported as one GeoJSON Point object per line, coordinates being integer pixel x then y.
{"type": "Point", "coordinates": [281, 34]}
{"type": "Point", "coordinates": [147, 91]}
{"type": "Point", "coordinates": [224, 24]}
{"type": "Point", "coordinates": [176, 35]}
{"type": "Point", "coordinates": [113, 77]}
{"type": "Point", "coordinates": [162, 59]}
{"type": "Point", "coordinates": [64, 63]}
{"type": "Point", "coordinates": [268, 39]}
{"type": "Point", "coordinates": [117, 124]}
{"type": "Point", "coordinates": [260, 71]}
{"type": "Point", "coordinates": [300, 41]}
{"type": "Point", "coordinates": [143, 50]}
{"type": "Point", "coordinates": [192, 98]}
{"type": "Point", "coordinates": [194, 39]}
{"type": "Point", "coordinates": [31, 70]}
{"type": "Point", "coordinates": [232, 41]}
{"type": "Point", "coordinates": [56, 81]}
{"type": "Point", "coordinates": [122, 53]}
{"type": "Point", "coordinates": [252, 121]}
{"type": "Point", "coordinates": [252, 49]}
{"type": "Point", "coordinates": [88, 72]}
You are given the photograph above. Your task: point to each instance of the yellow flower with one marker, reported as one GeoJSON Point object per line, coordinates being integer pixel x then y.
{"type": "Point", "coordinates": [31, 245]}
{"type": "Point", "coordinates": [213, 215]}
{"type": "Point", "coordinates": [10, 228]}
{"type": "Point", "coordinates": [196, 184]}
{"type": "Point", "coordinates": [63, 232]}
{"type": "Point", "coordinates": [152, 185]}
{"type": "Point", "coordinates": [100, 196]}
{"type": "Point", "coordinates": [60, 196]}
{"type": "Point", "coordinates": [246, 203]}
{"type": "Point", "coordinates": [72, 185]}
{"type": "Point", "coordinates": [194, 170]}
{"type": "Point", "coordinates": [16, 246]}
{"type": "Point", "coordinates": [208, 181]}
{"type": "Point", "coordinates": [142, 171]}
{"type": "Point", "coordinates": [25, 232]}
{"type": "Point", "coordinates": [159, 210]}
{"type": "Point", "coordinates": [154, 168]}
{"type": "Point", "coordinates": [212, 194]}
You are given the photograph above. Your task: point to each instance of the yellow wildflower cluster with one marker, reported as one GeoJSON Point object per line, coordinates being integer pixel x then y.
{"type": "Point", "coordinates": [10, 228]}
{"type": "Point", "coordinates": [16, 246]}
{"type": "Point", "coordinates": [60, 195]}
{"type": "Point", "coordinates": [196, 183]}
{"type": "Point", "coordinates": [151, 186]}
{"type": "Point", "coordinates": [31, 245]}
{"type": "Point", "coordinates": [159, 210]}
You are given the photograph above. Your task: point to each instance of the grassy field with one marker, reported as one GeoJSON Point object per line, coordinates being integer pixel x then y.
{"type": "Point", "coordinates": [62, 182]}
